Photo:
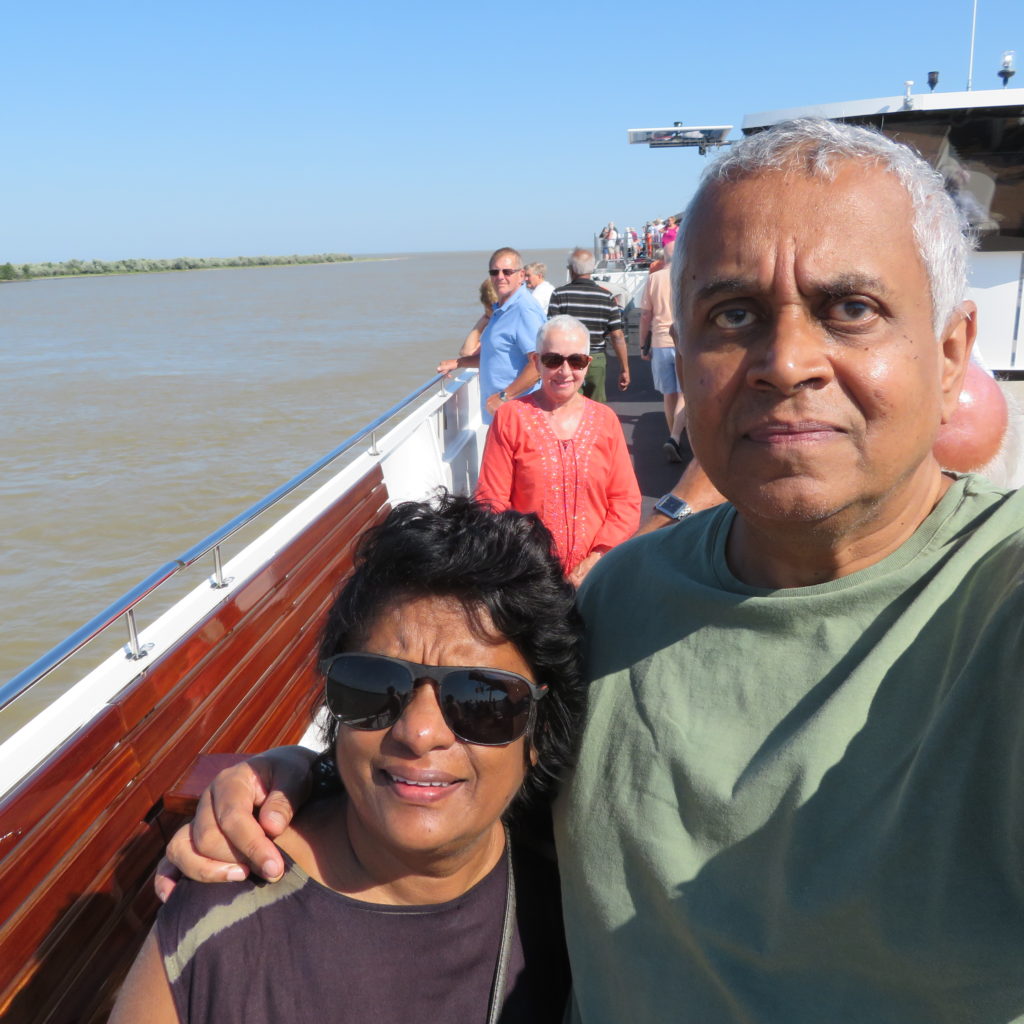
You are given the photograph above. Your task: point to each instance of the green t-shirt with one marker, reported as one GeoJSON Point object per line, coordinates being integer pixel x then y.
{"type": "Point", "coordinates": [804, 804]}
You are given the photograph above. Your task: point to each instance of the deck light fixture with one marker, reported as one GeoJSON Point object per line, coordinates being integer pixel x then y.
{"type": "Point", "coordinates": [1006, 72]}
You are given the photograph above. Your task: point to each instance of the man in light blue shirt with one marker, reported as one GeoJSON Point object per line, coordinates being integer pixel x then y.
{"type": "Point", "coordinates": [510, 336]}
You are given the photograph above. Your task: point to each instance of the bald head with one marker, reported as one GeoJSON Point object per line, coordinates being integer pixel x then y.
{"type": "Point", "coordinates": [581, 262]}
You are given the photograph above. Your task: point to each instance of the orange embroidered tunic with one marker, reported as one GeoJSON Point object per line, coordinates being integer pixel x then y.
{"type": "Point", "coordinates": [583, 489]}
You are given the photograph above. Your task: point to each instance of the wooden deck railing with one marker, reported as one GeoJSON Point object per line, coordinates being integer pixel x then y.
{"type": "Point", "coordinates": [241, 680]}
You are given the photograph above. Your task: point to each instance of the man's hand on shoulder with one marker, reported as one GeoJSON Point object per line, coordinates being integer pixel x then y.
{"type": "Point", "coordinates": [225, 840]}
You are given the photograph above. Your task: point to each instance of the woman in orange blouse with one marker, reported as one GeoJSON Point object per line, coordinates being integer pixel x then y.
{"type": "Point", "coordinates": [557, 453]}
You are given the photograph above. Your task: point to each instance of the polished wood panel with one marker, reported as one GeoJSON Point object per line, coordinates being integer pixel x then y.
{"type": "Point", "coordinates": [184, 795]}
{"type": "Point", "coordinates": [75, 911]}
{"type": "Point", "coordinates": [36, 797]}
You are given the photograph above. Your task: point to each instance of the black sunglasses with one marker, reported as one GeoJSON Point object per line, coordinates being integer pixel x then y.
{"type": "Point", "coordinates": [495, 271]}
{"type": "Point", "coordinates": [553, 360]}
{"type": "Point", "coordinates": [486, 706]}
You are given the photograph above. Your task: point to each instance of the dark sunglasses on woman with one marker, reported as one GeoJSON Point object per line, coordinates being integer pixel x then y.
{"type": "Point", "coordinates": [553, 360]}
{"type": "Point", "coordinates": [486, 706]}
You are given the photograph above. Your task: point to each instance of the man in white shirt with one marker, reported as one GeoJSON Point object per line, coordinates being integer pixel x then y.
{"type": "Point", "coordinates": [540, 288]}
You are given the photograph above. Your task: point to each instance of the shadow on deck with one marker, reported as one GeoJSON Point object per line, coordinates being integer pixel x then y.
{"type": "Point", "coordinates": [641, 412]}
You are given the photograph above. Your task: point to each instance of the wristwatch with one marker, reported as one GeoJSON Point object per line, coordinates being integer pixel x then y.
{"type": "Point", "coordinates": [673, 507]}
{"type": "Point", "coordinates": [502, 396]}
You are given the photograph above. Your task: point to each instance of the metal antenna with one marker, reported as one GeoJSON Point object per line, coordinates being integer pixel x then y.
{"type": "Point", "coordinates": [970, 66]}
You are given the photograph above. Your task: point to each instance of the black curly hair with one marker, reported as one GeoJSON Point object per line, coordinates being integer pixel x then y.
{"type": "Point", "coordinates": [501, 563]}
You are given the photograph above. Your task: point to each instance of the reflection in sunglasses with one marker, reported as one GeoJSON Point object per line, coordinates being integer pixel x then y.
{"type": "Point", "coordinates": [480, 705]}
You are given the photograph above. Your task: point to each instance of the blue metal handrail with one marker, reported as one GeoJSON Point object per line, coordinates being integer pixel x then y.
{"type": "Point", "coordinates": [124, 605]}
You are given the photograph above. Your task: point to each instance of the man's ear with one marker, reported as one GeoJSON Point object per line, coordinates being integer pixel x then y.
{"type": "Point", "coordinates": [957, 343]}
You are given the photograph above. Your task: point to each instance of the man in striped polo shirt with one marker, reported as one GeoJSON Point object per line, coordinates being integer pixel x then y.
{"type": "Point", "coordinates": [586, 300]}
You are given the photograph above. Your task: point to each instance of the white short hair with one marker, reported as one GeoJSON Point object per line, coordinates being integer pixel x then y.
{"type": "Point", "coordinates": [817, 147]}
{"type": "Point", "coordinates": [562, 322]}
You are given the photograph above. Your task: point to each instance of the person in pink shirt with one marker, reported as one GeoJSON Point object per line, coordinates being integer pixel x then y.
{"type": "Point", "coordinates": [563, 456]}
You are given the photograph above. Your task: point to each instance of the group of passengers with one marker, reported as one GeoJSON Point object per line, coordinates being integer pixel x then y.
{"type": "Point", "coordinates": [553, 447]}
{"type": "Point", "coordinates": [631, 244]}
{"type": "Point", "coordinates": [790, 787]}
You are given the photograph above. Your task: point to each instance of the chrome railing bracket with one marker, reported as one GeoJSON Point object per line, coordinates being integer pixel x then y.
{"type": "Point", "coordinates": [142, 652]}
{"type": "Point", "coordinates": [217, 580]}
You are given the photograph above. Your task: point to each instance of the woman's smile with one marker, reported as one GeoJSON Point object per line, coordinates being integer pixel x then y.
{"type": "Point", "coordinates": [415, 788]}
{"type": "Point", "coordinates": [419, 787]}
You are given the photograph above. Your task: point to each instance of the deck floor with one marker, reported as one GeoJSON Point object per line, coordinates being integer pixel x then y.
{"type": "Point", "coordinates": [641, 412]}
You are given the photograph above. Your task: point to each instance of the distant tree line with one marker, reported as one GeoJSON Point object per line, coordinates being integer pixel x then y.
{"type": "Point", "coordinates": [26, 271]}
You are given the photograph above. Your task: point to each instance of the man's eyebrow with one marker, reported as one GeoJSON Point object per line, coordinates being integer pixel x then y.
{"type": "Point", "coordinates": [834, 288]}
{"type": "Point", "coordinates": [851, 284]}
{"type": "Point", "coordinates": [728, 285]}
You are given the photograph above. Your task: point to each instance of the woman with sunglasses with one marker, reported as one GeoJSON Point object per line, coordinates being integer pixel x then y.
{"type": "Point", "coordinates": [562, 455]}
{"type": "Point", "coordinates": [452, 675]}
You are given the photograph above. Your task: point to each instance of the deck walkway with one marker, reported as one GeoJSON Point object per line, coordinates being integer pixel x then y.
{"type": "Point", "coordinates": [640, 410]}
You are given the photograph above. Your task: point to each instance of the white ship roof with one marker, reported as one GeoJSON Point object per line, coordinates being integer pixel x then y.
{"type": "Point", "coordinates": [915, 102]}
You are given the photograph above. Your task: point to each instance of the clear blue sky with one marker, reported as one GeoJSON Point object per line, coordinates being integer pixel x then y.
{"type": "Point", "coordinates": [221, 128]}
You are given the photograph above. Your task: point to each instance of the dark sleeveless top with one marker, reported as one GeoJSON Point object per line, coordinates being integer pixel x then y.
{"type": "Point", "coordinates": [296, 951]}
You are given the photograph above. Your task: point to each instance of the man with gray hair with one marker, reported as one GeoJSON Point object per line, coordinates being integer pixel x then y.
{"type": "Point", "coordinates": [798, 795]}
{"type": "Point", "coordinates": [539, 287]}
{"type": "Point", "coordinates": [586, 300]}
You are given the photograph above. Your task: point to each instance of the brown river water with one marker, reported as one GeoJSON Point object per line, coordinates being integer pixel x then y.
{"type": "Point", "coordinates": [141, 412]}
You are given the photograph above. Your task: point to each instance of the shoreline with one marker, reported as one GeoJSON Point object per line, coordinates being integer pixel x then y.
{"type": "Point", "coordinates": [185, 270]}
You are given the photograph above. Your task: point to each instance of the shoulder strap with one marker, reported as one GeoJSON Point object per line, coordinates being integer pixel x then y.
{"type": "Point", "coordinates": [507, 931]}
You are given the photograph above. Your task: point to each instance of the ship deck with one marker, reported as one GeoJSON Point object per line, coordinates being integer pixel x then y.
{"type": "Point", "coordinates": [640, 410]}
